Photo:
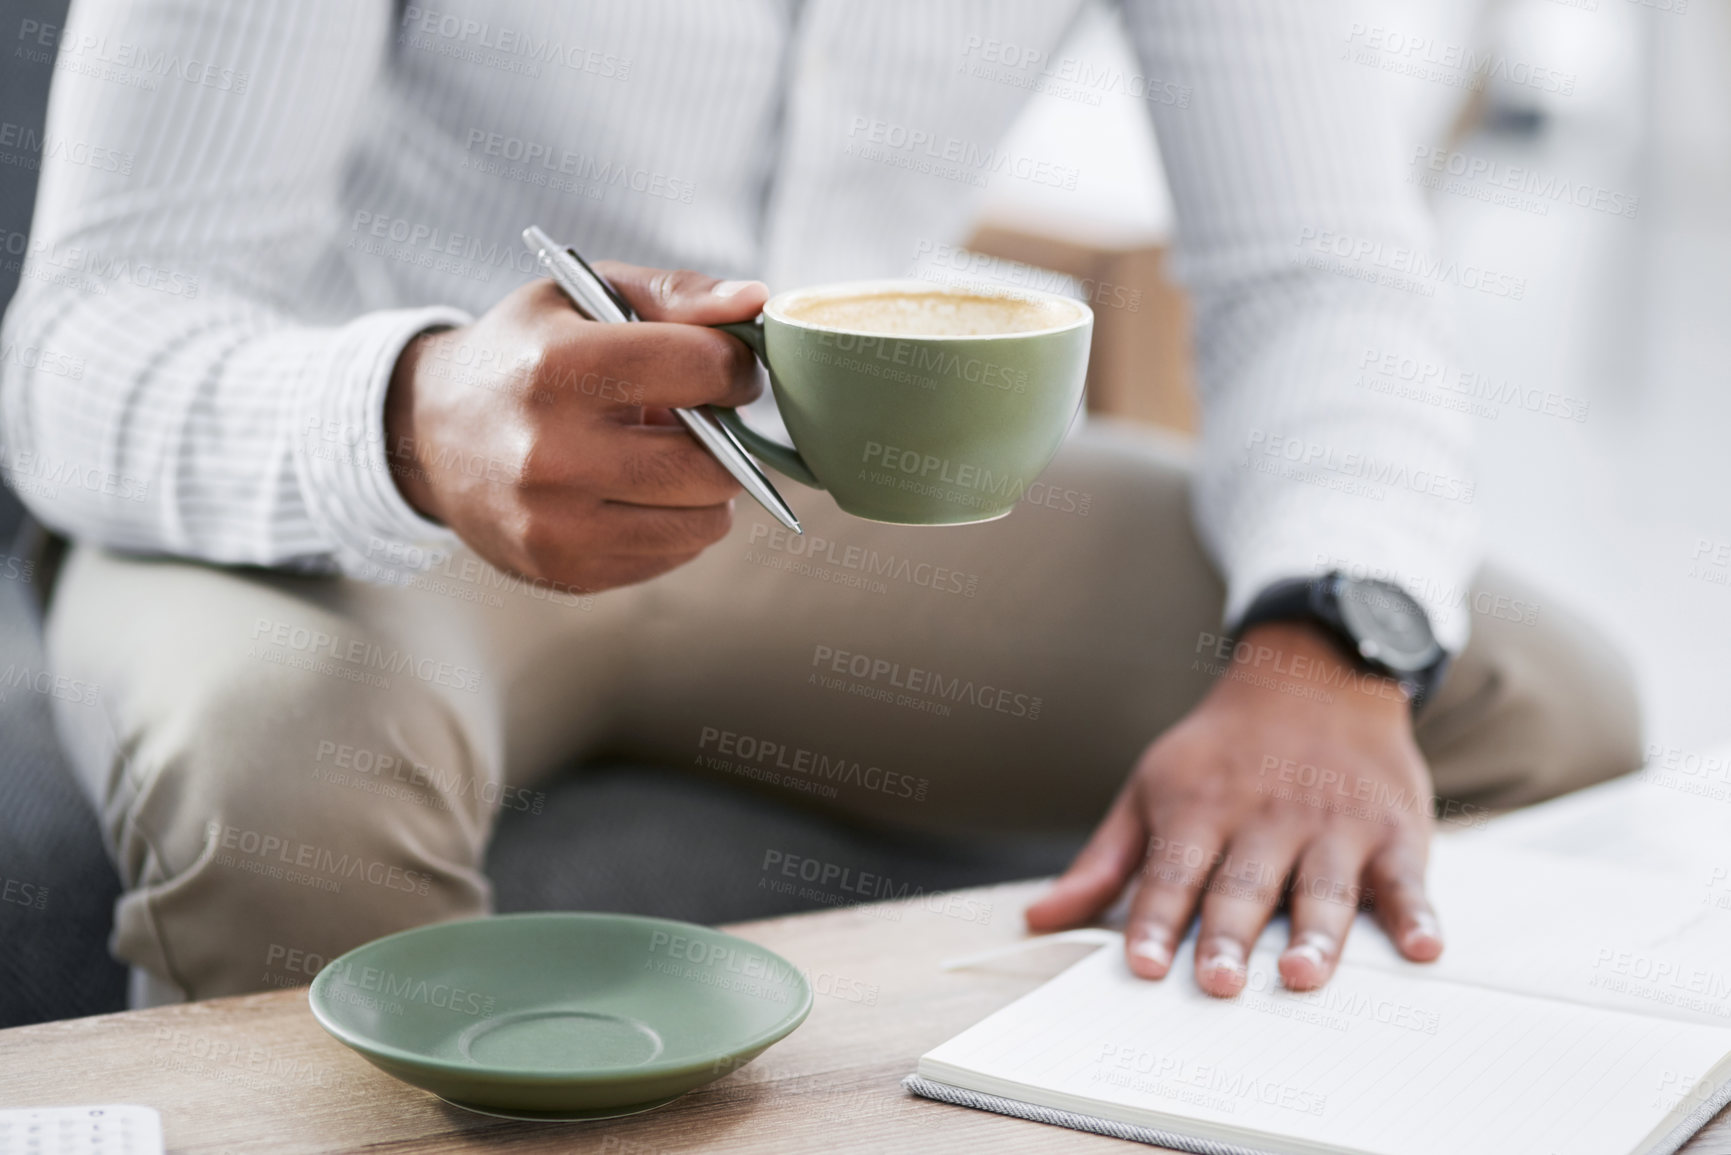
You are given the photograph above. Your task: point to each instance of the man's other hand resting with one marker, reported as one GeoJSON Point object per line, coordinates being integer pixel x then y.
{"type": "Point", "coordinates": [1211, 817]}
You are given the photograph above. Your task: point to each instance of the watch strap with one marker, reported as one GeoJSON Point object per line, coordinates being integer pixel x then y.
{"type": "Point", "coordinates": [1287, 600]}
{"type": "Point", "coordinates": [1313, 600]}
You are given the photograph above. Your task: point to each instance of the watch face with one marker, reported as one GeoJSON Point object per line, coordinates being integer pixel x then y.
{"type": "Point", "coordinates": [1389, 625]}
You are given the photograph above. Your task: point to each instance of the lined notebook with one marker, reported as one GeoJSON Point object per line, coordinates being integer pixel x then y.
{"type": "Point", "coordinates": [1580, 1010]}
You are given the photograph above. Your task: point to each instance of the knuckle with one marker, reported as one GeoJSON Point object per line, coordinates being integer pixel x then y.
{"type": "Point", "coordinates": [661, 288]}
{"type": "Point", "coordinates": [541, 293]}
{"type": "Point", "coordinates": [1395, 882]}
{"type": "Point", "coordinates": [670, 287]}
{"type": "Point", "coordinates": [538, 365]}
{"type": "Point", "coordinates": [675, 532]}
{"type": "Point", "coordinates": [543, 545]}
{"type": "Point", "coordinates": [653, 472]}
{"type": "Point", "coordinates": [1192, 810]}
{"type": "Point", "coordinates": [541, 466]}
{"type": "Point", "coordinates": [1291, 812]}
{"type": "Point", "coordinates": [686, 469]}
{"type": "Point", "coordinates": [1262, 889]}
{"type": "Point", "coordinates": [1167, 880]}
{"type": "Point", "coordinates": [701, 527]}
{"type": "Point", "coordinates": [534, 366]}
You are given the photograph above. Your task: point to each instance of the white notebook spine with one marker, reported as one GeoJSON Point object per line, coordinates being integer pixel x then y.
{"type": "Point", "coordinates": [1696, 1119]}
{"type": "Point", "coordinates": [961, 1097]}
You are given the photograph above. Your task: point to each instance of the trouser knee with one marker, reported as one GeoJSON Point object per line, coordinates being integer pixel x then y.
{"type": "Point", "coordinates": [281, 816]}
{"type": "Point", "coordinates": [1539, 704]}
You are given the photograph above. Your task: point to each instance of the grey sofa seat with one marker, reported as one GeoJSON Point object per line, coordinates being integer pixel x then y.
{"type": "Point", "coordinates": [635, 839]}
{"type": "Point", "coordinates": [57, 887]}
{"type": "Point", "coordinates": [651, 841]}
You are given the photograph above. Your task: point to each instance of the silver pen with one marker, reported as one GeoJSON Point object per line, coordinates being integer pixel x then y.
{"type": "Point", "coordinates": [595, 299]}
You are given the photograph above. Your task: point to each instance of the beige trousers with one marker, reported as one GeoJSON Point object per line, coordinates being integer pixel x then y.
{"type": "Point", "coordinates": [288, 766]}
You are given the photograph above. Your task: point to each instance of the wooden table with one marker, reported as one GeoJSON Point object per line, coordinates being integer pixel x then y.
{"type": "Point", "coordinates": [256, 1073]}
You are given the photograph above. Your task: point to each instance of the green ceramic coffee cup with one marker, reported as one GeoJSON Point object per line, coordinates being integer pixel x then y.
{"type": "Point", "coordinates": [929, 429]}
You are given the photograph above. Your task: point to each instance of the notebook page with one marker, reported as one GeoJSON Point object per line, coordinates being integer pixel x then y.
{"type": "Point", "coordinates": [1375, 1063]}
{"type": "Point", "coordinates": [1651, 942]}
{"type": "Point", "coordinates": [1669, 818]}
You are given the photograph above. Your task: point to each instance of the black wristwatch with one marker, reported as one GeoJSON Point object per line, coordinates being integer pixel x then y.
{"type": "Point", "coordinates": [1379, 624]}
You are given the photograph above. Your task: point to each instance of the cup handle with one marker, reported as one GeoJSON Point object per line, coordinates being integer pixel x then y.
{"type": "Point", "coordinates": [784, 457]}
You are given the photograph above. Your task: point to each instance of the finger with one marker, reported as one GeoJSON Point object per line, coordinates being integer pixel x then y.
{"type": "Point", "coordinates": [559, 543]}
{"type": "Point", "coordinates": [646, 365]}
{"type": "Point", "coordinates": [657, 465]}
{"type": "Point", "coordinates": [684, 296]}
{"type": "Point", "coordinates": [1243, 894]}
{"type": "Point", "coordinates": [1180, 857]}
{"type": "Point", "coordinates": [1096, 878]}
{"type": "Point", "coordinates": [661, 531]}
{"type": "Point", "coordinates": [1323, 900]}
{"type": "Point", "coordinates": [606, 573]}
{"type": "Point", "coordinates": [1396, 876]}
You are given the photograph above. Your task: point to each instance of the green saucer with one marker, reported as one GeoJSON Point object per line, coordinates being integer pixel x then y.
{"type": "Point", "coordinates": [560, 1017]}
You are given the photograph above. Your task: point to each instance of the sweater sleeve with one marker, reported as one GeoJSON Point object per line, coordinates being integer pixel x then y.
{"type": "Point", "coordinates": [1312, 270]}
{"type": "Point", "coordinates": [168, 399]}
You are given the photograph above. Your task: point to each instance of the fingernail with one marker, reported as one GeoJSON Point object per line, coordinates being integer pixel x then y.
{"type": "Point", "coordinates": [1313, 947]}
{"type": "Point", "coordinates": [1424, 927]}
{"type": "Point", "coordinates": [1224, 955]}
{"type": "Point", "coordinates": [1153, 950]}
{"type": "Point", "coordinates": [730, 288]}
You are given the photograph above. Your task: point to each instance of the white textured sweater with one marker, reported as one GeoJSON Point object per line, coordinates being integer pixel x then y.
{"type": "Point", "coordinates": [248, 208]}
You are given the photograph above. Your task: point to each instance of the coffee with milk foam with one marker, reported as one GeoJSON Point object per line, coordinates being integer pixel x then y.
{"type": "Point", "coordinates": [931, 314]}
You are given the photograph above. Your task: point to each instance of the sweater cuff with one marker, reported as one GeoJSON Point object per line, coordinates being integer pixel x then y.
{"type": "Point", "coordinates": [340, 453]}
{"type": "Point", "coordinates": [1434, 583]}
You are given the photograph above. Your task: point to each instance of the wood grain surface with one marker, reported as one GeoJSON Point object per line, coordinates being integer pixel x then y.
{"type": "Point", "coordinates": [256, 1073]}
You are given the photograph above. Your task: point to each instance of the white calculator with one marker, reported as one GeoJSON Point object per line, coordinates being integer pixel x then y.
{"type": "Point", "coordinates": [109, 1130]}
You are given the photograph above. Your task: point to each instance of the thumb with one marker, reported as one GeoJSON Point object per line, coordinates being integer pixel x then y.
{"type": "Point", "coordinates": [684, 296]}
{"type": "Point", "coordinates": [1097, 876]}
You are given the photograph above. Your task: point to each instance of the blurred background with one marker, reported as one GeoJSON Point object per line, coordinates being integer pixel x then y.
{"type": "Point", "coordinates": [1600, 397]}
{"type": "Point", "coordinates": [1610, 195]}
